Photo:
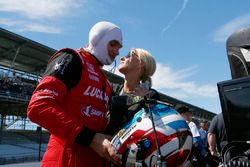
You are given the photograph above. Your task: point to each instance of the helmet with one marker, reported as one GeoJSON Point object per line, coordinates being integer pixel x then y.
{"type": "Point", "coordinates": [99, 37]}
{"type": "Point", "coordinates": [135, 142]}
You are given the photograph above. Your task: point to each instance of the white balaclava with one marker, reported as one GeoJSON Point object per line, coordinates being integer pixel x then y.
{"type": "Point", "coordinates": [99, 37]}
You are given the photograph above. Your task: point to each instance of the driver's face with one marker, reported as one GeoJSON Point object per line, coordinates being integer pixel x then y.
{"type": "Point", "coordinates": [113, 49]}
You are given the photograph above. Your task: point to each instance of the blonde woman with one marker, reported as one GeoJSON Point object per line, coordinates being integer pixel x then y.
{"type": "Point", "coordinates": [138, 66]}
{"type": "Point", "coordinates": [136, 136]}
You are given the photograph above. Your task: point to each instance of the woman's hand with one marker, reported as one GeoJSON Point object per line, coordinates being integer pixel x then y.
{"type": "Point", "coordinates": [102, 146]}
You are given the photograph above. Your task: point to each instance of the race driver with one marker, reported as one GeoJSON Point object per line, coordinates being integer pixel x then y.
{"type": "Point", "coordinates": [71, 101]}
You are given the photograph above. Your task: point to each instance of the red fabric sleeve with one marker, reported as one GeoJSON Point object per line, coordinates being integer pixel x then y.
{"type": "Point", "coordinates": [45, 109]}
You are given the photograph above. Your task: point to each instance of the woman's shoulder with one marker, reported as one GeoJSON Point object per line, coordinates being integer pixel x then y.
{"type": "Point", "coordinates": [154, 94]}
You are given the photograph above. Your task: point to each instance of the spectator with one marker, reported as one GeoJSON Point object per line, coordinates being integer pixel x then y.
{"type": "Point", "coordinates": [203, 132]}
{"type": "Point", "coordinates": [198, 150]}
{"type": "Point", "coordinates": [217, 138]}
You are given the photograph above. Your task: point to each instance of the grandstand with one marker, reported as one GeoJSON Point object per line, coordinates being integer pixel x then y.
{"type": "Point", "coordinates": [22, 62]}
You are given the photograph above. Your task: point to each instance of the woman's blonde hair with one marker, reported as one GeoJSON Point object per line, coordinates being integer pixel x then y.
{"type": "Point", "coordinates": [149, 64]}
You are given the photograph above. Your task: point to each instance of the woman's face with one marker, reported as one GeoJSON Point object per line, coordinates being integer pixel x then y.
{"type": "Point", "coordinates": [130, 62]}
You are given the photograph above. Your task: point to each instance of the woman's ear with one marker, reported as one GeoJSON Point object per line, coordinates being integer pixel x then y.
{"type": "Point", "coordinates": [143, 68]}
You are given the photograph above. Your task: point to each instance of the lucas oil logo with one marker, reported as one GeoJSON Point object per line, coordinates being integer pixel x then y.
{"type": "Point", "coordinates": [89, 111]}
{"type": "Point", "coordinates": [97, 93]}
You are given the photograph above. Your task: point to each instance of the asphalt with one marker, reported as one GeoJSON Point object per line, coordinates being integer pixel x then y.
{"type": "Point", "coordinates": [29, 164]}
{"type": "Point", "coordinates": [20, 153]}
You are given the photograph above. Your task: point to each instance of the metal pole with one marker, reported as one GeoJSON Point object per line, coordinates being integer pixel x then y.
{"type": "Point", "coordinates": [39, 130]}
{"type": "Point", "coordinates": [1, 129]}
{"type": "Point", "coordinates": [24, 123]}
{"type": "Point", "coordinates": [160, 162]}
{"type": "Point", "coordinates": [14, 59]}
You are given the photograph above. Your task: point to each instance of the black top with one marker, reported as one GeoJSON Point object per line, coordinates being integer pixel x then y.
{"type": "Point", "coordinates": [217, 127]}
{"type": "Point", "coordinates": [121, 109]}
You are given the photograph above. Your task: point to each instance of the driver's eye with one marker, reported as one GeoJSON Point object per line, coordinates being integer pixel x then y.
{"type": "Point", "coordinates": [114, 43]}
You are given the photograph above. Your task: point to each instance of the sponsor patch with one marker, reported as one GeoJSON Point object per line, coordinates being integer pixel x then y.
{"type": "Point", "coordinates": [91, 69]}
{"type": "Point", "coordinates": [89, 111]}
{"type": "Point", "coordinates": [97, 93]}
{"type": "Point", "coordinates": [61, 65]}
{"type": "Point", "coordinates": [94, 78]}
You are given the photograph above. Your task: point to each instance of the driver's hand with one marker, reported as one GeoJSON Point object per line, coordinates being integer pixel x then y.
{"type": "Point", "coordinates": [102, 146]}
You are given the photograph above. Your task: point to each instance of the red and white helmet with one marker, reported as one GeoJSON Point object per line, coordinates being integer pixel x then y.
{"type": "Point", "coordinates": [136, 142]}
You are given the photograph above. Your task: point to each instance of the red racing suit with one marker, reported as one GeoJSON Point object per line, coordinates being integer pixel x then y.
{"type": "Point", "coordinates": [72, 96]}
